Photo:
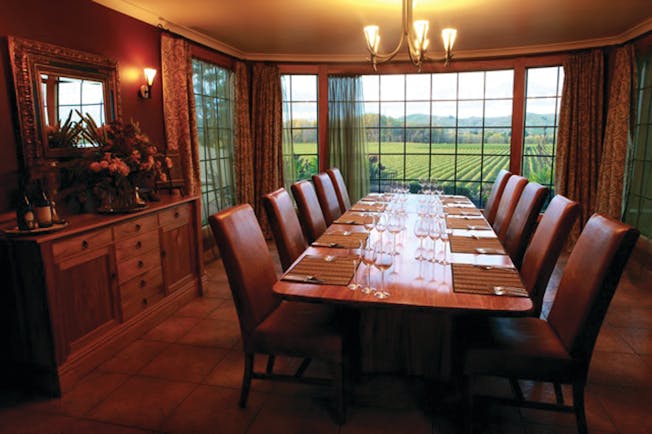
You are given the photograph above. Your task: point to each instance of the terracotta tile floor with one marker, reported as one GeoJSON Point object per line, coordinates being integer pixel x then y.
{"type": "Point", "coordinates": [183, 376]}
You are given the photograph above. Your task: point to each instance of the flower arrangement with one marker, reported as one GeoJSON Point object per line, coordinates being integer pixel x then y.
{"type": "Point", "coordinates": [122, 158]}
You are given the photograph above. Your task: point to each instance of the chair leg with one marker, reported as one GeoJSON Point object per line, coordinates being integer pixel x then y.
{"type": "Point", "coordinates": [270, 365]}
{"type": "Point", "coordinates": [578, 404]}
{"type": "Point", "coordinates": [302, 368]}
{"type": "Point", "coordinates": [467, 404]}
{"type": "Point", "coordinates": [517, 389]}
{"type": "Point", "coordinates": [559, 395]}
{"type": "Point", "coordinates": [340, 412]}
{"type": "Point", "coordinates": [246, 379]}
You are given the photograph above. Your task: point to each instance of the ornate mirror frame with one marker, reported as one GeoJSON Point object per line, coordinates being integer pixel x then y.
{"type": "Point", "coordinates": [28, 59]}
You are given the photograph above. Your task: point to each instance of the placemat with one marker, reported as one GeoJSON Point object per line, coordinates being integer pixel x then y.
{"type": "Point", "coordinates": [472, 279]}
{"type": "Point", "coordinates": [461, 244]}
{"type": "Point", "coordinates": [339, 240]}
{"type": "Point", "coordinates": [368, 207]}
{"type": "Point", "coordinates": [454, 210]}
{"type": "Point", "coordinates": [463, 223]}
{"type": "Point", "coordinates": [375, 198]}
{"type": "Point", "coordinates": [352, 218]}
{"type": "Point", "coordinates": [323, 270]}
{"type": "Point", "coordinates": [455, 200]}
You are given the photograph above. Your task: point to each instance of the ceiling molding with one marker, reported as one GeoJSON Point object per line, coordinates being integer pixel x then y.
{"type": "Point", "coordinates": [128, 8]}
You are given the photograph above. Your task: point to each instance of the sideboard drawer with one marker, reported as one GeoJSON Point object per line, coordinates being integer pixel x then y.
{"type": "Point", "coordinates": [137, 245]}
{"type": "Point", "coordinates": [81, 243]}
{"type": "Point", "coordinates": [135, 227]}
{"type": "Point", "coordinates": [174, 216]}
{"type": "Point", "coordinates": [138, 264]}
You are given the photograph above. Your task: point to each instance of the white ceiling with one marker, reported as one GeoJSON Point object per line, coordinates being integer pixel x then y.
{"type": "Point", "coordinates": [331, 30]}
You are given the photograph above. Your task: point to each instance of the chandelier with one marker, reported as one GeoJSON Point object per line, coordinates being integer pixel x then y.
{"type": "Point", "coordinates": [417, 40]}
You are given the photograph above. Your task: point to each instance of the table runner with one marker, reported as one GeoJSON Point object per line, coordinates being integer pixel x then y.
{"type": "Point", "coordinates": [474, 279]}
{"type": "Point", "coordinates": [349, 241]}
{"type": "Point", "coordinates": [467, 223]}
{"type": "Point", "coordinates": [352, 218]}
{"type": "Point", "coordinates": [323, 270]}
{"type": "Point", "coordinates": [462, 244]}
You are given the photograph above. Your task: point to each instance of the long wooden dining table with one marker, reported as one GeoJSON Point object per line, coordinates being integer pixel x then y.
{"type": "Point", "coordinates": [410, 330]}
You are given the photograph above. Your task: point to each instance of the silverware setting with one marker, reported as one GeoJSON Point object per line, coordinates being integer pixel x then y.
{"type": "Point", "coordinates": [320, 244]}
{"type": "Point", "coordinates": [488, 251]}
{"type": "Point", "coordinates": [493, 267]}
{"type": "Point", "coordinates": [509, 290]}
{"type": "Point", "coordinates": [307, 278]}
{"type": "Point", "coordinates": [476, 228]}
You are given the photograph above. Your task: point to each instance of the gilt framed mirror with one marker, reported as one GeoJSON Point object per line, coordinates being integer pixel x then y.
{"type": "Point", "coordinates": [52, 85]}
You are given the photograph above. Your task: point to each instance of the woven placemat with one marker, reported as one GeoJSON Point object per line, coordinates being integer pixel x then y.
{"type": "Point", "coordinates": [455, 200]}
{"type": "Point", "coordinates": [375, 198]}
{"type": "Point", "coordinates": [455, 210]}
{"type": "Point", "coordinates": [350, 240]}
{"type": "Point", "coordinates": [464, 223]}
{"type": "Point", "coordinates": [324, 270]}
{"type": "Point", "coordinates": [368, 207]}
{"type": "Point", "coordinates": [472, 279]}
{"type": "Point", "coordinates": [461, 244]}
{"type": "Point", "coordinates": [352, 218]}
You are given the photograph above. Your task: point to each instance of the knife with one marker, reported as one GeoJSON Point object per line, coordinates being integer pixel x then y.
{"type": "Point", "coordinates": [320, 244]}
{"type": "Point", "coordinates": [303, 278]}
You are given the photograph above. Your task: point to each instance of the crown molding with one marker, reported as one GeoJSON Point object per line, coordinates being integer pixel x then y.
{"type": "Point", "coordinates": [128, 8]}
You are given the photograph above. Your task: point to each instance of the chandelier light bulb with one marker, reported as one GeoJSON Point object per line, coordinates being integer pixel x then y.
{"type": "Point", "coordinates": [372, 35]}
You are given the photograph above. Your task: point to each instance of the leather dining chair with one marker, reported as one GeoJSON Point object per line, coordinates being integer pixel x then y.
{"type": "Point", "coordinates": [558, 349]}
{"type": "Point", "coordinates": [508, 201]}
{"type": "Point", "coordinates": [545, 247]}
{"type": "Point", "coordinates": [285, 225]}
{"type": "Point", "coordinates": [340, 188]}
{"type": "Point", "coordinates": [327, 197]}
{"type": "Point", "coordinates": [491, 206]}
{"type": "Point", "coordinates": [269, 325]}
{"type": "Point", "coordinates": [523, 221]}
{"type": "Point", "coordinates": [310, 215]}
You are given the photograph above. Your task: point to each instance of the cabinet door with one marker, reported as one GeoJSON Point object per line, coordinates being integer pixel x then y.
{"type": "Point", "coordinates": [86, 301]}
{"type": "Point", "coordinates": [177, 255]}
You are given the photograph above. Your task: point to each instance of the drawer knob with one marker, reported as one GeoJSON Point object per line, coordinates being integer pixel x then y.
{"type": "Point", "coordinates": [139, 244]}
{"type": "Point", "coordinates": [177, 214]}
{"type": "Point", "coordinates": [144, 302]}
{"type": "Point", "coordinates": [141, 264]}
{"type": "Point", "coordinates": [138, 227]}
{"type": "Point", "coordinates": [143, 283]}
{"type": "Point", "coordinates": [84, 244]}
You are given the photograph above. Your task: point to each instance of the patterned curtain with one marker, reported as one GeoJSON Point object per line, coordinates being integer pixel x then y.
{"type": "Point", "coordinates": [346, 134]}
{"type": "Point", "coordinates": [244, 149]}
{"type": "Point", "coordinates": [579, 146]}
{"type": "Point", "coordinates": [617, 133]}
{"type": "Point", "coordinates": [179, 108]}
{"type": "Point", "coordinates": [267, 134]}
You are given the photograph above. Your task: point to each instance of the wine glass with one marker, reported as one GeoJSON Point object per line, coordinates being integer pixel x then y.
{"type": "Point", "coordinates": [368, 257]}
{"type": "Point", "coordinates": [444, 238]}
{"type": "Point", "coordinates": [356, 260]}
{"type": "Point", "coordinates": [394, 227]}
{"type": "Point", "coordinates": [434, 233]}
{"type": "Point", "coordinates": [381, 225]}
{"type": "Point", "coordinates": [421, 232]}
{"type": "Point", "coordinates": [383, 262]}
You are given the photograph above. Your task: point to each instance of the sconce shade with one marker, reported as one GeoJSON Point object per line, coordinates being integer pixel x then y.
{"type": "Point", "coordinates": [150, 73]}
{"type": "Point", "coordinates": [146, 89]}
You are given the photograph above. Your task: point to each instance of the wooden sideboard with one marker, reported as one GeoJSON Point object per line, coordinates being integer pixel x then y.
{"type": "Point", "coordinates": [80, 294]}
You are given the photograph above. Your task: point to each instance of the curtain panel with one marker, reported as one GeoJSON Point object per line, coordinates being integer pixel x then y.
{"type": "Point", "coordinates": [179, 108]}
{"type": "Point", "coordinates": [267, 135]}
{"type": "Point", "coordinates": [617, 136]}
{"type": "Point", "coordinates": [244, 149]}
{"type": "Point", "coordinates": [346, 134]}
{"type": "Point", "coordinates": [580, 135]}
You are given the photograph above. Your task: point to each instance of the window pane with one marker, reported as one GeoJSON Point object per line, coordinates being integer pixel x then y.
{"type": "Point", "coordinates": [543, 81]}
{"type": "Point", "coordinates": [444, 86]}
{"type": "Point", "coordinates": [417, 87]}
{"type": "Point", "coordinates": [304, 88]}
{"type": "Point", "coordinates": [500, 84]}
{"type": "Point", "coordinates": [498, 113]}
{"type": "Point", "coordinates": [471, 85]}
{"type": "Point", "coordinates": [392, 87]}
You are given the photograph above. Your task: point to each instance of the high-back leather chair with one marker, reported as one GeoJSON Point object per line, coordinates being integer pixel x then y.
{"type": "Point", "coordinates": [491, 206]}
{"type": "Point", "coordinates": [310, 215]}
{"type": "Point", "coordinates": [340, 188]}
{"type": "Point", "coordinates": [523, 221]}
{"type": "Point", "coordinates": [285, 225]}
{"type": "Point", "coordinates": [327, 197]}
{"type": "Point", "coordinates": [508, 201]}
{"type": "Point", "coordinates": [545, 246]}
{"type": "Point", "coordinates": [268, 325]}
{"type": "Point", "coordinates": [558, 349]}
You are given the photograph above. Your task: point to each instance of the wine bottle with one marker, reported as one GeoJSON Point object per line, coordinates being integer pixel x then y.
{"type": "Point", "coordinates": [25, 216]}
{"type": "Point", "coordinates": [44, 211]}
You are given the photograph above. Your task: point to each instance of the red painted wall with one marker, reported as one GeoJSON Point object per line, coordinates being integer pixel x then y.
{"type": "Point", "coordinates": [86, 26]}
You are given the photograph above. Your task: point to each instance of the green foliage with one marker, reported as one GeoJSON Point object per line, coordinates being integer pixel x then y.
{"type": "Point", "coordinates": [305, 166]}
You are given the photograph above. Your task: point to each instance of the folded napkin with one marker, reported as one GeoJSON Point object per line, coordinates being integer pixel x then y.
{"type": "Point", "coordinates": [472, 279]}
{"type": "Point", "coordinates": [352, 218]}
{"type": "Point", "coordinates": [368, 207]}
{"type": "Point", "coordinates": [338, 239]}
{"type": "Point", "coordinates": [456, 210]}
{"type": "Point", "coordinates": [462, 244]}
{"type": "Point", "coordinates": [324, 270]}
{"type": "Point", "coordinates": [473, 223]}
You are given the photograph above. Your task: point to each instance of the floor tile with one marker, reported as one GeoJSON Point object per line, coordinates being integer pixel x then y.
{"type": "Point", "coordinates": [294, 415]}
{"type": "Point", "coordinates": [619, 369]}
{"type": "Point", "coordinates": [228, 372]}
{"type": "Point", "coordinates": [212, 333]}
{"type": "Point", "coordinates": [133, 357]}
{"type": "Point", "coordinates": [610, 340]}
{"type": "Point", "coordinates": [199, 307]}
{"type": "Point", "coordinates": [371, 421]}
{"type": "Point", "coordinates": [171, 329]}
{"type": "Point", "coordinates": [630, 317]}
{"type": "Point", "coordinates": [639, 339]}
{"type": "Point", "coordinates": [629, 408]}
{"type": "Point", "coordinates": [183, 363]}
{"type": "Point", "coordinates": [142, 402]}
{"type": "Point", "coordinates": [197, 414]}
{"type": "Point", "coordinates": [226, 312]}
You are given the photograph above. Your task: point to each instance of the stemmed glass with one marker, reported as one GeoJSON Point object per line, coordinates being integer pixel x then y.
{"type": "Point", "coordinates": [434, 233]}
{"type": "Point", "coordinates": [394, 227]}
{"type": "Point", "coordinates": [421, 232]}
{"type": "Point", "coordinates": [444, 238]}
{"type": "Point", "coordinates": [368, 258]}
{"type": "Point", "coordinates": [383, 262]}
{"type": "Point", "coordinates": [381, 225]}
{"type": "Point", "coordinates": [356, 260]}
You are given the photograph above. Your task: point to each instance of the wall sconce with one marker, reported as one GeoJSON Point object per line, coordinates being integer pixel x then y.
{"type": "Point", "coordinates": [146, 89]}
